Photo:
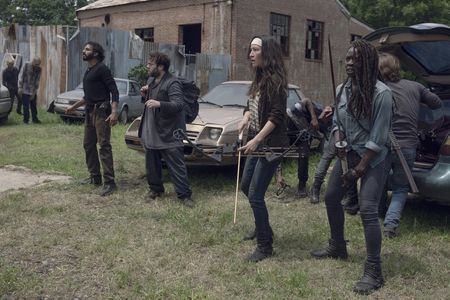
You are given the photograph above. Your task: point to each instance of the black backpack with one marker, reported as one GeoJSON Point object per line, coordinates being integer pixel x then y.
{"type": "Point", "coordinates": [190, 96]}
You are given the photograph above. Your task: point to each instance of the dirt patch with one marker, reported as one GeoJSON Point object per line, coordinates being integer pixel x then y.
{"type": "Point", "coordinates": [14, 178]}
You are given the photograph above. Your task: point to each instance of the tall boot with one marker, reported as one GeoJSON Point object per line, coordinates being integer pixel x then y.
{"type": "Point", "coordinates": [263, 250]}
{"type": "Point", "coordinates": [301, 190]}
{"type": "Point", "coordinates": [314, 196]}
{"type": "Point", "coordinates": [372, 279]}
{"type": "Point", "coordinates": [337, 250]}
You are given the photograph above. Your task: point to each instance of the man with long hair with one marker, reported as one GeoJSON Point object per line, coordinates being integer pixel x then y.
{"type": "Point", "coordinates": [407, 96]}
{"type": "Point", "coordinates": [101, 98]}
{"type": "Point", "coordinates": [363, 119]}
{"type": "Point", "coordinates": [265, 117]}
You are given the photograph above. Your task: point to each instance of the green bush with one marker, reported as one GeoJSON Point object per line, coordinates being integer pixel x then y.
{"type": "Point", "coordinates": [138, 73]}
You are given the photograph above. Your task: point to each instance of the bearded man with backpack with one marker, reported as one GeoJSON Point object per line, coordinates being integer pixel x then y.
{"type": "Point", "coordinates": [163, 114]}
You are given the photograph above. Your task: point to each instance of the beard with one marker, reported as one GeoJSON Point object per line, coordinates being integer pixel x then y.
{"type": "Point", "coordinates": [89, 56]}
{"type": "Point", "coordinates": [155, 73]}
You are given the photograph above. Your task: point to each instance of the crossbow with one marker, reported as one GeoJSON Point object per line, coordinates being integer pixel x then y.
{"type": "Point", "coordinates": [270, 153]}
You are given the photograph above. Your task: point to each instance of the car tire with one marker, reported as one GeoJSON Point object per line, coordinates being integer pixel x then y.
{"type": "Point", "coordinates": [3, 119]}
{"type": "Point", "coordinates": [123, 117]}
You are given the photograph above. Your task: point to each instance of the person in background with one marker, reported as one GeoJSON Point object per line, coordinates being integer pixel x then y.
{"type": "Point", "coordinates": [407, 96]}
{"type": "Point", "coordinates": [363, 119]}
{"type": "Point", "coordinates": [10, 77]}
{"type": "Point", "coordinates": [28, 85]}
{"type": "Point", "coordinates": [265, 118]}
{"type": "Point", "coordinates": [101, 97]}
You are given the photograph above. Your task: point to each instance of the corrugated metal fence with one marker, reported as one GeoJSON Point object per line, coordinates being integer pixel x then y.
{"type": "Point", "coordinates": [123, 51]}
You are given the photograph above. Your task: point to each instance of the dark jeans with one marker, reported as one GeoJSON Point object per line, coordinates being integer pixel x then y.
{"type": "Point", "coordinates": [14, 93]}
{"type": "Point", "coordinates": [96, 130]}
{"type": "Point", "coordinates": [29, 102]}
{"type": "Point", "coordinates": [174, 158]}
{"type": "Point", "coordinates": [303, 161]}
{"type": "Point", "coordinates": [256, 178]}
{"type": "Point", "coordinates": [372, 184]}
{"type": "Point", "coordinates": [400, 187]}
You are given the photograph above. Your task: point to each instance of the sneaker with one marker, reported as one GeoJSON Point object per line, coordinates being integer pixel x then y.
{"type": "Point", "coordinates": [108, 189]}
{"type": "Point", "coordinates": [91, 180]}
{"type": "Point", "coordinates": [152, 195]}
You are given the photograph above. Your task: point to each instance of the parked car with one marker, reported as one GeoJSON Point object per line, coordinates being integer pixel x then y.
{"type": "Point", "coordinates": [221, 110]}
{"type": "Point", "coordinates": [424, 49]}
{"type": "Point", "coordinates": [130, 105]}
{"type": "Point", "coordinates": [5, 104]}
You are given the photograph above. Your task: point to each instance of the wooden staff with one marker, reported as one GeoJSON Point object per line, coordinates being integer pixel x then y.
{"type": "Point", "coordinates": [239, 143]}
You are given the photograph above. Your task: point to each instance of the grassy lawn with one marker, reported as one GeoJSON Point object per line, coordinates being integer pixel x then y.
{"type": "Point", "coordinates": [63, 241]}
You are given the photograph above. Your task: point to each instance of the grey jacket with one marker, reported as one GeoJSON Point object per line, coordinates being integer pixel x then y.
{"type": "Point", "coordinates": [29, 81]}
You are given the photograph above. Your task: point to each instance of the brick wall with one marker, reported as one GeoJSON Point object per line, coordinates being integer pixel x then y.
{"type": "Point", "coordinates": [229, 28]}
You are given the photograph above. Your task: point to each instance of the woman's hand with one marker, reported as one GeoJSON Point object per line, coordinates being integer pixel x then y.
{"type": "Point", "coordinates": [250, 147]}
{"type": "Point", "coordinates": [243, 124]}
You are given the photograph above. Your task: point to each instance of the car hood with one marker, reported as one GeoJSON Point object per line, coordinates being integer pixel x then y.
{"type": "Point", "coordinates": [217, 115]}
{"type": "Point", "coordinates": [423, 49]}
{"type": "Point", "coordinates": [74, 94]}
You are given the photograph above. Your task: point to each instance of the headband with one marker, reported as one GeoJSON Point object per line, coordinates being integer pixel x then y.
{"type": "Point", "coordinates": [257, 41]}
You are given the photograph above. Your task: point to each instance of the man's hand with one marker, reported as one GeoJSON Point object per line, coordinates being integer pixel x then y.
{"type": "Point", "coordinates": [144, 90]}
{"type": "Point", "coordinates": [152, 103]}
{"type": "Point", "coordinates": [112, 119]}
{"type": "Point", "coordinates": [349, 178]}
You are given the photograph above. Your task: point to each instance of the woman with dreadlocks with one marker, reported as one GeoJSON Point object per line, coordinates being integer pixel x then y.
{"type": "Point", "coordinates": [363, 119]}
{"type": "Point", "coordinates": [265, 117]}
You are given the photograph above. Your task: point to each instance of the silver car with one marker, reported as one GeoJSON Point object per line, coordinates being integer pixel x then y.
{"type": "Point", "coordinates": [130, 105]}
{"type": "Point", "coordinates": [216, 125]}
{"type": "Point", "coordinates": [5, 104]}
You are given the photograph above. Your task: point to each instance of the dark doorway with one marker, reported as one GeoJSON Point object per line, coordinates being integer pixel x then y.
{"type": "Point", "coordinates": [191, 37]}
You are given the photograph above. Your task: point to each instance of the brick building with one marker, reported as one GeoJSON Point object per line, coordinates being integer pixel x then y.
{"type": "Point", "coordinates": [226, 26]}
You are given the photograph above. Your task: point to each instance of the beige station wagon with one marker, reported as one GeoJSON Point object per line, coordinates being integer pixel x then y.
{"type": "Point", "coordinates": [221, 110]}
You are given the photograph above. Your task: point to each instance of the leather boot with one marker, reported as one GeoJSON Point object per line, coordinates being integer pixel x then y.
{"type": "Point", "coordinates": [301, 190]}
{"type": "Point", "coordinates": [333, 250]}
{"type": "Point", "coordinates": [371, 280]}
{"type": "Point", "coordinates": [315, 194]}
{"type": "Point", "coordinates": [262, 251]}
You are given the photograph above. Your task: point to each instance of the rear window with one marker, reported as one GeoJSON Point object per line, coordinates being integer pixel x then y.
{"type": "Point", "coordinates": [433, 56]}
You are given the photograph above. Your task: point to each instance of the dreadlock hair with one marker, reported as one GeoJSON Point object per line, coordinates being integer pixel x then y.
{"type": "Point", "coordinates": [270, 79]}
{"type": "Point", "coordinates": [366, 75]}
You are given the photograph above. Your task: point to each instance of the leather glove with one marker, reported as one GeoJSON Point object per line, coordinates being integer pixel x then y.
{"type": "Point", "coordinates": [350, 178]}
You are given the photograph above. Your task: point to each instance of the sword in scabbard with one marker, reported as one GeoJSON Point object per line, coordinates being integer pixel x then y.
{"type": "Point", "coordinates": [342, 145]}
{"type": "Point", "coordinates": [403, 162]}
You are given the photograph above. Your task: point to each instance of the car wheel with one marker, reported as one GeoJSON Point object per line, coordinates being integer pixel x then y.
{"type": "Point", "coordinates": [65, 119]}
{"type": "Point", "coordinates": [3, 120]}
{"type": "Point", "coordinates": [123, 117]}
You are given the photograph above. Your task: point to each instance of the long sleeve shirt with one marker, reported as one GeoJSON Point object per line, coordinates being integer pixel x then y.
{"type": "Point", "coordinates": [31, 76]}
{"type": "Point", "coordinates": [99, 85]}
{"type": "Point", "coordinates": [369, 133]}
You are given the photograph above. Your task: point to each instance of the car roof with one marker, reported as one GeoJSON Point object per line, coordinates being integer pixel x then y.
{"type": "Point", "coordinates": [423, 49]}
{"type": "Point", "coordinates": [247, 82]}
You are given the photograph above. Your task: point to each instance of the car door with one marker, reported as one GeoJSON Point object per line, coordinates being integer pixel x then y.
{"type": "Point", "coordinates": [136, 106]}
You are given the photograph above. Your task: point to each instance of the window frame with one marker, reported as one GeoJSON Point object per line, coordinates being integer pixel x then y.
{"type": "Point", "coordinates": [283, 24]}
{"type": "Point", "coordinates": [311, 28]}
{"type": "Point", "coordinates": [141, 33]}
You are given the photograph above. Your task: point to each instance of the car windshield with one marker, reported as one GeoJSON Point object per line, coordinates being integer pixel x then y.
{"type": "Point", "coordinates": [122, 87]}
{"type": "Point", "coordinates": [228, 94]}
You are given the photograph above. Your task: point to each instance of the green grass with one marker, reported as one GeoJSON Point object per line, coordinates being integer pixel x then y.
{"type": "Point", "coordinates": [63, 241]}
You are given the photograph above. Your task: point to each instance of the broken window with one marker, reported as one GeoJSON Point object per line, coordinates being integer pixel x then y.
{"type": "Point", "coordinates": [314, 40]}
{"type": "Point", "coordinates": [279, 29]}
{"type": "Point", "coordinates": [146, 34]}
